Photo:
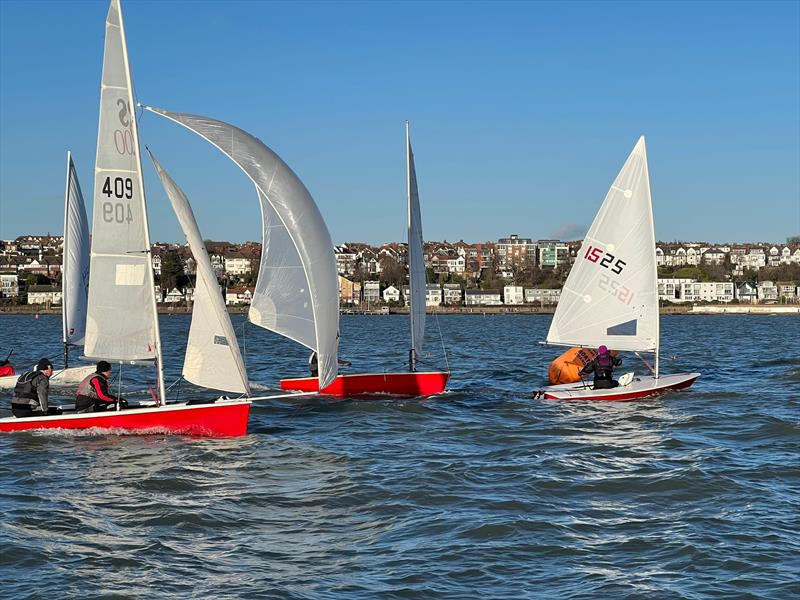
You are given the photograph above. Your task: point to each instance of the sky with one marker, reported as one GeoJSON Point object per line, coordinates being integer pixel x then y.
{"type": "Point", "coordinates": [521, 113]}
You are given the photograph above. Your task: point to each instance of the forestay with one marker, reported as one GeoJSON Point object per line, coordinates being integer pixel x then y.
{"type": "Point", "coordinates": [304, 309]}
{"type": "Point", "coordinates": [611, 294]}
{"type": "Point", "coordinates": [416, 264]}
{"type": "Point", "coordinates": [75, 270]}
{"type": "Point", "coordinates": [121, 323]}
{"type": "Point", "coordinates": [212, 358]}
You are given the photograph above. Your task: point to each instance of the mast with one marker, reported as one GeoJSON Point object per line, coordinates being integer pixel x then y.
{"type": "Point", "coordinates": [412, 358]}
{"type": "Point", "coordinates": [162, 394]}
{"type": "Point", "coordinates": [64, 294]}
{"type": "Point", "coordinates": [653, 255]}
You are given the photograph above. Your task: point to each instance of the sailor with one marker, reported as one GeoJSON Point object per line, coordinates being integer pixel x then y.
{"type": "Point", "coordinates": [313, 367]}
{"type": "Point", "coordinates": [32, 392]}
{"type": "Point", "coordinates": [93, 394]}
{"type": "Point", "coordinates": [603, 367]}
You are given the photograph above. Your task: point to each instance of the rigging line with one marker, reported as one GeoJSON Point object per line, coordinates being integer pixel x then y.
{"type": "Point", "coordinates": [647, 364]}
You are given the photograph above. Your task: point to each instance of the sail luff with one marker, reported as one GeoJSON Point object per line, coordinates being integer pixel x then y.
{"type": "Point", "coordinates": [213, 359]}
{"type": "Point", "coordinates": [653, 257]}
{"type": "Point", "coordinates": [416, 263]}
{"type": "Point", "coordinates": [64, 253]}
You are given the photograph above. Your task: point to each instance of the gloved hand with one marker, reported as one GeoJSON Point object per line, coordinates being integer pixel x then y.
{"type": "Point", "coordinates": [123, 404]}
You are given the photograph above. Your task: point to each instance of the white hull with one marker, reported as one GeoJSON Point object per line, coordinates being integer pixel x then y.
{"type": "Point", "coordinates": [642, 386]}
{"type": "Point", "coordinates": [61, 378]}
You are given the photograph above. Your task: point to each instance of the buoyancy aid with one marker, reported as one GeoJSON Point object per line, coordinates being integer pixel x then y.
{"type": "Point", "coordinates": [26, 390]}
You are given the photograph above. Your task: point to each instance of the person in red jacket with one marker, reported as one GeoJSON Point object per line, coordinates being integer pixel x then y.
{"type": "Point", "coordinates": [93, 394]}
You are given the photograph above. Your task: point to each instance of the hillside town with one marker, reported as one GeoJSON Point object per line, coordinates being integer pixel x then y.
{"type": "Point", "coordinates": [511, 271]}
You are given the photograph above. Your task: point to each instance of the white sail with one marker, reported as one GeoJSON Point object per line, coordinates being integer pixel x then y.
{"type": "Point", "coordinates": [284, 303]}
{"type": "Point", "coordinates": [611, 294]}
{"type": "Point", "coordinates": [121, 323]}
{"type": "Point", "coordinates": [212, 358]}
{"type": "Point", "coordinates": [75, 270]}
{"type": "Point", "coordinates": [416, 263]}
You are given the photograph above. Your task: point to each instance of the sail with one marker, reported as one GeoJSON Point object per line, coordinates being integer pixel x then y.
{"type": "Point", "coordinates": [75, 270]}
{"type": "Point", "coordinates": [611, 295]}
{"type": "Point", "coordinates": [212, 358]}
{"type": "Point", "coordinates": [304, 309]}
{"type": "Point", "coordinates": [121, 322]}
{"type": "Point", "coordinates": [416, 263]}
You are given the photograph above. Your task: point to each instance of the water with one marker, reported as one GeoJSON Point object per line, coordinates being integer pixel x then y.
{"type": "Point", "coordinates": [480, 492]}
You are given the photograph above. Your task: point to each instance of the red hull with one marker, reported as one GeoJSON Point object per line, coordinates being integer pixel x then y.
{"type": "Point", "coordinates": [621, 394]}
{"type": "Point", "coordinates": [394, 384]}
{"type": "Point", "coordinates": [226, 418]}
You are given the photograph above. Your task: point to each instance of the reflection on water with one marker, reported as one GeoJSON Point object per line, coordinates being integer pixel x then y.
{"type": "Point", "coordinates": [482, 491]}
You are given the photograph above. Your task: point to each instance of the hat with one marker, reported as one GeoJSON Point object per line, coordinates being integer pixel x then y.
{"type": "Point", "coordinates": [103, 366]}
{"type": "Point", "coordinates": [44, 364]}
{"type": "Point", "coordinates": [602, 350]}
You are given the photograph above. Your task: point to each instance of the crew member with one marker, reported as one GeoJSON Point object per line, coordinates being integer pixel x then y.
{"type": "Point", "coordinates": [93, 394]}
{"type": "Point", "coordinates": [32, 392]}
{"type": "Point", "coordinates": [603, 367]}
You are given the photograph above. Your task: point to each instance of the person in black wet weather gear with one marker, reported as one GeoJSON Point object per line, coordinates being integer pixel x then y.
{"type": "Point", "coordinates": [32, 392]}
{"type": "Point", "coordinates": [93, 394]}
{"type": "Point", "coordinates": [603, 367]}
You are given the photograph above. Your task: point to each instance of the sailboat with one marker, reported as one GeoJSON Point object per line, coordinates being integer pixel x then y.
{"type": "Point", "coordinates": [413, 382]}
{"type": "Point", "coordinates": [122, 322]}
{"type": "Point", "coordinates": [75, 282]}
{"type": "Point", "coordinates": [611, 294]}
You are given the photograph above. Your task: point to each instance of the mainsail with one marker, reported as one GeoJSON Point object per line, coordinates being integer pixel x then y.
{"type": "Point", "coordinates": [416, 264]}
{"type": "Point", "coordinates": [75, 270]}
{"type": "Point", "coordinates": [212, 358]}
{"type": "Point", "coordinates": [303, 307]}
{"type": "Point", "coordinates": [611, 294]}
{"type": "Point", "coordinates": [121, 324]}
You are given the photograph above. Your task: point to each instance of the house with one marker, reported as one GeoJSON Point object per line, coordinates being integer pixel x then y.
{"type": "Point", "coordinates": [433, 295]}
{"type": "Point", "coordinates": [372, 292]}
{"type": "Point", "coordinates": [670, 289]}
{"type": "Point", "coordinates": [747, 293]}
{"type": "Point", "coordinates": [515, 251]}
{"type": "Point", "coordinates": [552, 254]}
{"type": "Point", "coordinates": [513, 294]}
{"type": "Point", "coordinates": [9, 285]}
{"type": "Point", "coordinates": [452, 293]}
{"type": "Point", "coordinates": [767, 292]}
{"type": "Point", "coordinates": [708, 291]}
{"type": "Point", "coordinates": [483, 298]}
{"type": "Point", "coordinates": [44, 294]}
{"type": "Point", "coordinates": [237, 264]}
{"type": "Point", "coordinates": [174, 296]}
{"type": "Point", "coordinates": [787, 292]}
{"type": "Point", "coordinates": [713, 256]}
{"type": "Point", "coordinates": [237, 296]}
{"type": "Point", "coordinates": [349, 291]}
{"type": "Point", "coordinates": [542, 295]}
{"type": "Point", "coordinates": [391, 294]}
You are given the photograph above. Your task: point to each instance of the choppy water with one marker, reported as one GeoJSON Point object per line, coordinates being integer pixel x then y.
{"type": "Point", "coordinates": [482, 492]}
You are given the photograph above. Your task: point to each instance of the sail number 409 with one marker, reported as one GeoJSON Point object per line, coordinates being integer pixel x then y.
{"type": "Point", "coordinates": [119, 187]}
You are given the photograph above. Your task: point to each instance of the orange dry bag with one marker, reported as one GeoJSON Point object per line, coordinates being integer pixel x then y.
{"type": "Point", "coordinates": [566, 368]}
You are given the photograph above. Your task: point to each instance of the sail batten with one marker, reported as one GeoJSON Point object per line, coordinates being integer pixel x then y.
{"type": "Point", "coordinates": [611, 293]}
{"type": "Point", "coordinates": [283, 301]}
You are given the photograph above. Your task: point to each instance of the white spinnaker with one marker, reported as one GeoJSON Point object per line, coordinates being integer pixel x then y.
{"type": "Point", "coordinates": [75, 270]}
{"type": "Point", "coordinates": [300, 217]}
{"type": "Point", "coordinates": [121, 321]}
{"type": "Point", "coordinates": [212, 358]}
{"type": "Point", "coordinates": [416, 263]}
{"type": "Point", "coordinates": [611, 295]}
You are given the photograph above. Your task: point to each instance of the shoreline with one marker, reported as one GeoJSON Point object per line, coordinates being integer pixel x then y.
{"type": "Point", "coordinates": [708, 309]}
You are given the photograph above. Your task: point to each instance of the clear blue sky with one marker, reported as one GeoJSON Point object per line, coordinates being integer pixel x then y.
{"type": "Point", "coordinates": [522, 113]}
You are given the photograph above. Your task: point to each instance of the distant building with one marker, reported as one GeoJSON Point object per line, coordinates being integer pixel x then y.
{"type": "Point", "coordinates": [542, 295]}
{"type": "Point", "coordinates": [433, 295]}
{"type": "Point", "coordinates": [483, 297]}
{"type": "Point", "coordinates": [513, 294]}
{"type": "Point", "coordinates": [515, 251]}
{"type": "Point", "coordinates": [553, 254]}
{"type": "Point", "coordinates": [708, 291]}
{"type": "Point", "coordinates": [44, 294]}
{"type": "Point", "coordinates": [391, 294]}
{"type": "Point", "coordinates": [452, 293]}
{"type": "Point", "coordinates": [372, 291]}
{"type": "Point", "coordinates": [9, 285]}
{"type": "Point", "coordinates": [670, 290]}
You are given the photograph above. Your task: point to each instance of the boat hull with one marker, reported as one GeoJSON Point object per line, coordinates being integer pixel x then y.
{"type": "Point", "coordinates": [640, 387]}
{"type": "Point", "coordinates": [394, 384]}
{"type": "Point", "coordinates": [61, 378]}
{"type": "Point", "coordinates": [218, 419]}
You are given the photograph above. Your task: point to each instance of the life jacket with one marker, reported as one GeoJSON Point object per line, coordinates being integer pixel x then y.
{"type": "Point", "coordinates": [86, 389]}
{"type": "Point", "coordinates": [25, 390]}
{"type": "Point", "coordinates": [604, 366]}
